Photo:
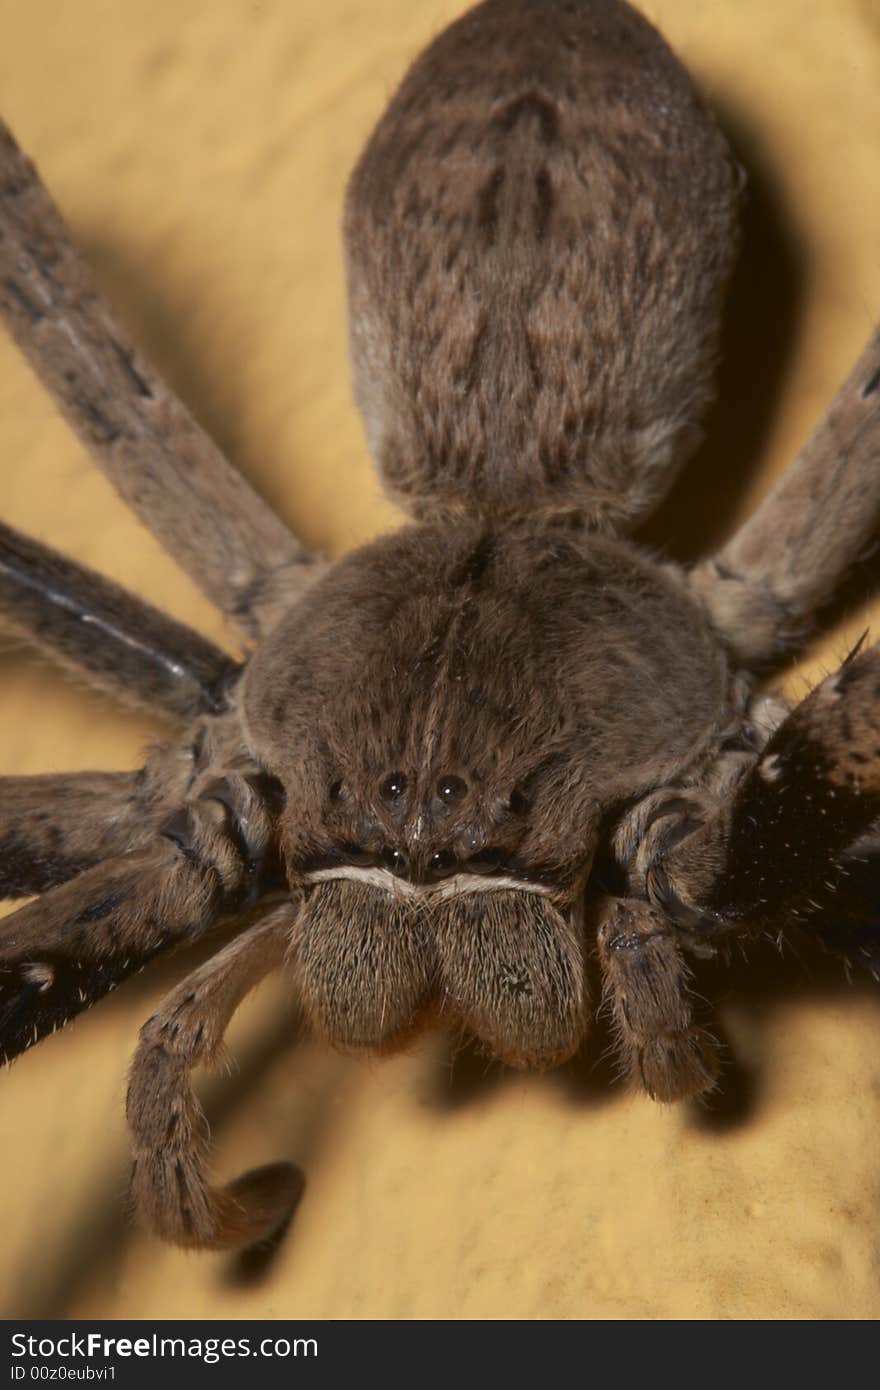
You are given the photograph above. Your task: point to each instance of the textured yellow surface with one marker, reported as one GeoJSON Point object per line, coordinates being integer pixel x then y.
{"type": "Point", "coordinates": [199, 151]}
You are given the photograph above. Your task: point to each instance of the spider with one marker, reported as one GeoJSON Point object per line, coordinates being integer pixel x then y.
{"type": "Point", "coordinates": [464, 758]}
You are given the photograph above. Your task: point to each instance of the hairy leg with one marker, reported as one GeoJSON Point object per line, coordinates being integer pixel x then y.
{"type": "Point", "coordinates": [646, 990]}
{"type": "Point", "coordinates": [122, 644]}
{"type": "Point", "coordinates": [847, 919]}
{"type": "Point", "coordinates": [63, 952]}
{"type": "Point", "coordinates": [53, 827]}
{"type": "Point", "coordinates": [777, 848]}
{"type": "Point", "coordinates": [167, 1123]}
{"type": "Point", "coordinates": [157, 457]}
{"type": "Point", "coordinates": [766, 584]}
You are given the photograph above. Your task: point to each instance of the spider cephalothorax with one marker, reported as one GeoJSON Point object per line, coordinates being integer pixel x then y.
{"type": "Point", "coordinates": [460, 699]}
{"type": "Point", "coordinates": [431, 710]}
{"type": "Point", "coordinates": [470, 756]}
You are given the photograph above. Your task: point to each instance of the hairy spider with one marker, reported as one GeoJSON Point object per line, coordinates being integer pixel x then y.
{"type": "Point", "coordinates": [464, 753]}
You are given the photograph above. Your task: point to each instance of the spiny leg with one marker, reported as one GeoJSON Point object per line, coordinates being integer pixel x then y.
{"type": "Point", "coordinates": [847, 919]}
{"type": "Point", "coordinates": [55, 826]}
{"type": "Point", "coordinates": [160, 461]}
{"type": "Point", "coordinates": [647, 991]}
{"type": "Point", "coordinates": [63, 952]}
{"type": "Point", "coordinates": [765, 586]}
{"type": "Point", "coordinates": [123, 644]}
{"type": "Point", "coordinates": [167, 1123]}
{"type": "Point", "coordinates": [779, 846]}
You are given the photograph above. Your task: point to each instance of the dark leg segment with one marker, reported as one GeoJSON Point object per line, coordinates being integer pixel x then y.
{"type": "Point", "coordinates": [168, 1126]}
{"type": "Point", "coordinates": [65, 951]}
{"type": "Point", "coordinates": [159, 460]}
{"type": "Point", "coordinates": [764, 588]}
{"type": "Point", "coordinates": [779, 846]}
{"type": "Point", "coordinates": [55, 826]}
{"type": "Point", "coordinates": [62, 953]}
{"type": "Point", "coordinates": [123, 644]}
{"type": "Point", "coordinates": [647, 991]}
{"type": "Point", "coordinates": [847, 920]}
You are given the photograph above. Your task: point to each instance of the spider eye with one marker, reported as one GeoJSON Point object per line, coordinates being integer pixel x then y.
{"type": "Point", "coordinates": [357, 855]}
{"type": "Point", "coordinates": [451, 789]}
{"type": "Point", "coordinates": [485, 861]}
{"type": "Point", "coordinates": [442, 863]}
{"type": "Point", "coordinates": [335, 792]}
{"type": "Point", "coordinates": [393, 786]}
{"type": "Point", "coordinates": [395, 861]}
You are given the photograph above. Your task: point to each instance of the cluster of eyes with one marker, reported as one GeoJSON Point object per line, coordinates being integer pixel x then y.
{"type": "Point", "coordinates": [450, 789]}
{"type": "Point", "coordinates": [444, 863]}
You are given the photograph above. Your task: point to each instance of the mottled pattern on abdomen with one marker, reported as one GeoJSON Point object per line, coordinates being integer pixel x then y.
{"type": "Point", "coordinates": [538, 236]}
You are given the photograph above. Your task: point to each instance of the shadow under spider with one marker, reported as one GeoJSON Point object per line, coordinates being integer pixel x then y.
{"type": "Point", "coordinates": [750, 984]}
{"type": "Point", "coordinates": [95, 1247]}
{"type": "Point", "coordinates": [461, 1076]}
{"type": "Point", "coordinates": [752, 980]}
{"type": "Point", "coordinates": [762, 319]}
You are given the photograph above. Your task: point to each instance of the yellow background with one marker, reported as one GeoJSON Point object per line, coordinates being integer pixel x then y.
{"type": "Point", "coordinates": [199, 151]}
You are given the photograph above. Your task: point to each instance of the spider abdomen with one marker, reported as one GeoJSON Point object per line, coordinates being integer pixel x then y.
{"type": "Point", "coordinates": [538, 235]}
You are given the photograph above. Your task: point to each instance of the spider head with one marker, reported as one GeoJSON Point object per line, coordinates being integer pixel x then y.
{"type": "Point", "coordinates": [451, 713]}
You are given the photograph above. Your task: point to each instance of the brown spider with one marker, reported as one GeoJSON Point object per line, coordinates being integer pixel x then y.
{"type": "Point", "coordinates": [463, 753]}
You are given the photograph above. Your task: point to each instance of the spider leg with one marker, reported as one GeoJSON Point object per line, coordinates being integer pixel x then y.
{"type": "Point", "coordinates": [123, 644]}
{"type": "Point", "coordinates": [646, 988]}
{"type": "Point", "coordinates": [54, 826]}
{"type": "Point", "coordinates": [766, 584]}
{"type": "Point", "coordinates": [847, 920]}
{"type": "Point", "coordinates": [160, 461]}
{"type": "Point", "coordinates": [63, 952]}
{"type": "Point", "coordinates": [167, 1123]}
{"type": "Point", "coordinates": [779, 845]}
